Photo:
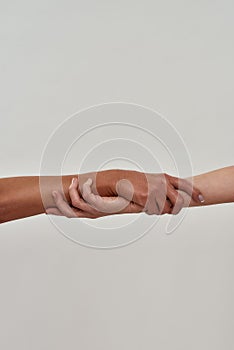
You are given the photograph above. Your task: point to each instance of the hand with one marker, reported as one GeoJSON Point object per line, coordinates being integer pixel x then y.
{"type": "Point", "coordinates": [91, 205]}
{"type": "Point", "coordinates": [158, 193]}
{"type": "Point", "coordinates": [152, 193]}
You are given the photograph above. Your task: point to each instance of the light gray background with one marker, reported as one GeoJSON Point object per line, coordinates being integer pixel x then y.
{"type": "Point", "coordinates": [162, 292]}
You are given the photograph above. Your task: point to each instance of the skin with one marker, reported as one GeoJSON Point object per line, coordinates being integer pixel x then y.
{"type": "Point", "coordinates": [21, 197]}
{"type": "Point", "coordinates": [26, 196]}
{"type": "Point", "coordinates": [217, 187]}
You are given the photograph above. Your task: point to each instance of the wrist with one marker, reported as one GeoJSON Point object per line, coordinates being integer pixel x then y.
{"type": "Point", "coordinates": [112, 183]}
{"type": "Point", "coordinates": [107, 180]}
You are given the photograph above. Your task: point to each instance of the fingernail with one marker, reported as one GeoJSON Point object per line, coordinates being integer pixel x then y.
{"type": "Point", "coordinates": [201, 198]}
{"type": "Point", "coordinates": [73, 180]}
{"type": "Point", "coordinates": [54, 194]}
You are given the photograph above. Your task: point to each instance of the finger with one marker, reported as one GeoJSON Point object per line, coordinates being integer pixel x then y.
{"type": "Point", "coordinates": [163, 204]}
{"type": "Point", "coordinates": [132, 208]}
{"type": "Point", "coordinates": [111, 205]}
{"type": "Point", "coordinates": [80, 214]}
{"type": "Point", "coordinates": [53, 211]}
{"type": "Point", "coordinates": [76, 200]}
{"type": "Point", "coordinates": [186, 186]}
{"type": "Point", "coordinates": [94, 204]}
{"type": "Point", "coordinates": [86, 215]}
{"type": "Point", "coordinates": [88, 195]}
{"type": "Point", "coordinates": [62, 205]}
{"type": "Point", "coordinates": [151, 207]}
{"type": "Point", "coordinates": [176, 200]}
{"type": "Point", "coordinates": [103, 205]}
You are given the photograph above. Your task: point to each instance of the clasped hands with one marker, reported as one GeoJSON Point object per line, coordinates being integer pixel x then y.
{"type": "Point", "coordinates": [111, 192]}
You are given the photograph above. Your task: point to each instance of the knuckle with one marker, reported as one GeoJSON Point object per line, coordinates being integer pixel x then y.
{"type": "Point", "coordinates": [75, 202]}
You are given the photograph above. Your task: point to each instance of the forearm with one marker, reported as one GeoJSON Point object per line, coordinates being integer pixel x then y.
{"type": "Point", "coordinates": [27, 196]}
{"type": "Point", "coordinates": [216, 186]}
{"type": "Point", "coordinates": [105, 182]}
{"type": "Point", "coordinates": [21, 197]}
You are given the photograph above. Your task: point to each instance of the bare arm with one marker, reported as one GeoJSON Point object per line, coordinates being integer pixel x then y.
{"type": "Point", "coordinates": [217, 186]}
{"type": "Point", "coordinates": [21, 197]}
{"type": "Point", "coordinates": [27, 196]}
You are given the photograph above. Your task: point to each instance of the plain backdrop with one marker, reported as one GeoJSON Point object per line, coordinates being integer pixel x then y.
{"type": "Point", "coordinates": [165, 292]}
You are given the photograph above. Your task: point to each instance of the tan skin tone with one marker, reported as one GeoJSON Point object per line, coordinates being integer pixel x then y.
{"type": "Point", "coordinates": [217, 187]}
{"type": "Point", "coordinates": [21, 196]}
{"type": "Point", "coordinates": [26, 196]}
